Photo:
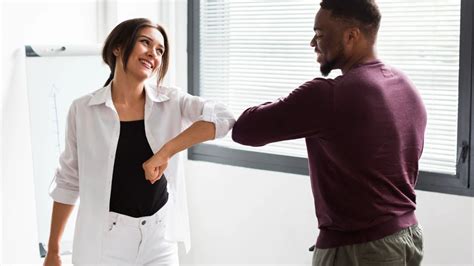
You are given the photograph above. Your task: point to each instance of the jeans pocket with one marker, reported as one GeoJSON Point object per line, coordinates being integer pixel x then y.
{"type": "Point", "coordinates": [120, 244]}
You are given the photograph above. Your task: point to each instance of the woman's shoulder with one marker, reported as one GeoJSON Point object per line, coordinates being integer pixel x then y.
{"type": "Point", "coordinates": [86, 99]}
{"type": "Point", "coordinates": [169, 91]}
{"type": "Point", "coordinates": [168, 88]}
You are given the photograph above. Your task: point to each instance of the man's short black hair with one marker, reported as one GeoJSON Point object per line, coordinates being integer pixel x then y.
{"type": "Point", "coordinates": [364, 12]}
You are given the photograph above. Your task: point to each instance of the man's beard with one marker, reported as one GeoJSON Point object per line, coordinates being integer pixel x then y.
{"type": "Point", "coordinates": [327, 67]}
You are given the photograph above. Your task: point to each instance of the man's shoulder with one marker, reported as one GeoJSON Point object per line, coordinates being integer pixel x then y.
{"type": "Point", "coordinates": [319, 83]}
{"type": "Point", "coordinates": [315, 88]}
{"type": "Point", "coordinates": [376, 68]}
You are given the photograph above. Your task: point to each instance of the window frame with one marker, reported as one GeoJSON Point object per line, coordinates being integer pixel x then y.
{"type": "Point", "coordinates": [460, 184]}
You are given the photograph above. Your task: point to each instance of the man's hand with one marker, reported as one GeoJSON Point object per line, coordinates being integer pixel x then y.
{"type": "Point", "coordinates": [155, 166]}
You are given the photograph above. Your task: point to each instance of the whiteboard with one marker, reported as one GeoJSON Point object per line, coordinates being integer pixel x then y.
{"type": "Point", "coordinates": [56, 75]}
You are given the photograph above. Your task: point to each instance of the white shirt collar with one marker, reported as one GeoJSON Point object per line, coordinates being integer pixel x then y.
{"type": "Point", "coordinates": [104, 95]}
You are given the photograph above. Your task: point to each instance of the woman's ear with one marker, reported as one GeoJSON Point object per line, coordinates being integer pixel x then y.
{"type": "Point", "coordinates": [116, 51]}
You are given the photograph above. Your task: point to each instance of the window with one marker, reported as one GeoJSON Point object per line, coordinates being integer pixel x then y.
{"type": "Point", "coordinates": [244, 53]}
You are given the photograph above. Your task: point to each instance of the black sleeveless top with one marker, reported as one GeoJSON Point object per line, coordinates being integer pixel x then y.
{"type": "Point", "coordinates": [132, 194]}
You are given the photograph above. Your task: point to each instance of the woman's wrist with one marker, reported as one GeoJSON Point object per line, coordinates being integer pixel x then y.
{"type": "Point", "coordinates": [167, 150]}
{"type": "Point", "coordinates": [53, 249]}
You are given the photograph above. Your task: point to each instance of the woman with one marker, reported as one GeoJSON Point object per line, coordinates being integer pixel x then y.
{"type": "Point", "coordinates": [121, 157]}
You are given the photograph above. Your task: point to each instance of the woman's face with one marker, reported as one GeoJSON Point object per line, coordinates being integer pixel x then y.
{"type": "Point", "coordinates": [146, 56]}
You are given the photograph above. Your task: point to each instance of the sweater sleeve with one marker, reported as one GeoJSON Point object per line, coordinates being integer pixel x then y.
{"type": "Point", "coordinates": [306, 111]}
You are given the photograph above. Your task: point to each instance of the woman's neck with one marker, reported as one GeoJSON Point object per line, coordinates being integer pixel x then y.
{"type": "Point", "coordinates": [126, 90]}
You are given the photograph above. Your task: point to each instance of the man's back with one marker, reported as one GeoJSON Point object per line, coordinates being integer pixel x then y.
{"type": "Point", "coordinates": [364, 169]}
{"type": "Point", "coordinates": [364, 134]}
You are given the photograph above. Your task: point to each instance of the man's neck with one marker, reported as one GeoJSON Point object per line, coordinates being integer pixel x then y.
{"type": "Point", "coordinates": [359, 58]}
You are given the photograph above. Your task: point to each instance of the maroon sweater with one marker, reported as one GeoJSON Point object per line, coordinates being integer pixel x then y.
{"type": "Point", "coordinates": [364, 135]}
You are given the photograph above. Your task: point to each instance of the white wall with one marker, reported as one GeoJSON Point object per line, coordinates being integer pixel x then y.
{"type": "Point", "coordinates": [448, 226]}
{"type": "Point", "coordinates": [245, 216]}
{"type": "Point", "coordinates": [1, 138]}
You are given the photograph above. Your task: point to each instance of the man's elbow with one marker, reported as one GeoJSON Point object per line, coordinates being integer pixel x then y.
{"type": "Point", "coordinates": [245, 137]}
{"type": "Point", "coordinates": [238, 137]}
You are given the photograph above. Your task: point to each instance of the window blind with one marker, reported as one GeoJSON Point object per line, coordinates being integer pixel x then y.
{"type": "Point", "coordinates": [257, 51]}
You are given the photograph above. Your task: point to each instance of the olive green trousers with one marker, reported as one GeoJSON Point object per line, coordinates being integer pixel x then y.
{"type": "Point", "coordinates": [404, 248]}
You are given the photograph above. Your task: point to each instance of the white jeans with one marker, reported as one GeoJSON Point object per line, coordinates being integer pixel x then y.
{"type": "Point", "coordinates": [138, 241]}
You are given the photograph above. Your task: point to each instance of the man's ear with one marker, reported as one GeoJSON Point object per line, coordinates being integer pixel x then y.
{"type": "Point", "coordinates": [352, 35]}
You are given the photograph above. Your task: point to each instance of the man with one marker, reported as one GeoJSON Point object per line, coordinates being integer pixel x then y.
{"type": "Point", "coordinates": [364, 134]}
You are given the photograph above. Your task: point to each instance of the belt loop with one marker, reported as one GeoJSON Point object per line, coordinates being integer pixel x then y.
{"type": "Point", "coordinates": [411, 230]}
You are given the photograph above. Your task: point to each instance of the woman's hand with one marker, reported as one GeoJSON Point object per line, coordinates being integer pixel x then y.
{"type": "Point", "coordinates": [52, 259]}
{"type": "Point", "coordinates": [198, 132]}
{"type": "Point", "coordinates": [156, 165]}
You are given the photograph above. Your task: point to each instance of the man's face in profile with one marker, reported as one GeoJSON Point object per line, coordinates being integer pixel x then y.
{"type": "Point", "coordinates": [327, 42]}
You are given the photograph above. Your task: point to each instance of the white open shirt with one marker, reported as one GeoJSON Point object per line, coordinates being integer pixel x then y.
{"type": "Point", "coordinates": [86, 164]}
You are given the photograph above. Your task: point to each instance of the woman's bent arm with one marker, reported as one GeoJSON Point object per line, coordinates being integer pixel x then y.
{"type": "Point", "coordinates": [198, 132]}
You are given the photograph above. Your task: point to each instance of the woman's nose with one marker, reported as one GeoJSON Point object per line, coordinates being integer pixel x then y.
{"type": "Point", "coordinates": [152, 53]}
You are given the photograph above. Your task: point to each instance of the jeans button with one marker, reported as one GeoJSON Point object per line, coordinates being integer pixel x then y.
{"type": "Point", "coordinates": [143, 222]}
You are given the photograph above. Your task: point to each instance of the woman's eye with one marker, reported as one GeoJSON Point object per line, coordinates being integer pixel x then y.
{"type": "Point", "coordinates": [160, 51]}
{"type": "Point", "coordinates": [146, 42]}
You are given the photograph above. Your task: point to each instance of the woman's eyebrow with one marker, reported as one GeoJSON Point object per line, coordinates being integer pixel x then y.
{"type": "Point", "coordinates": [150, 39]}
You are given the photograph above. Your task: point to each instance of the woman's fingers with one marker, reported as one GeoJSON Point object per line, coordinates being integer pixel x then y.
{"type": "Point", "coordinates": [155, 167]}
{"type": "Point", "coordinates": [161, 171]}
{"type": "Point", "coordinates": [151, 171]}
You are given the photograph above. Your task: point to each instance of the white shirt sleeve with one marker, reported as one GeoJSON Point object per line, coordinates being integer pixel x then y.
{"type": "Point", "coordinates": [66, 180]}
{"type": "Point", "coordinates": [194, 108]}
